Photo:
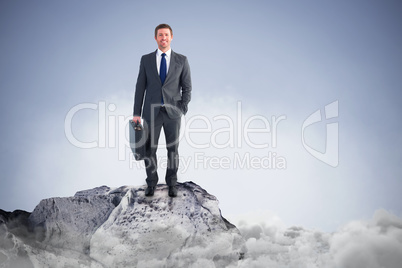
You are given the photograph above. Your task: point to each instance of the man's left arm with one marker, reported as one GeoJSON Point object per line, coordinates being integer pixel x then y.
{"type": "Point", "coordinates": [185, 79]}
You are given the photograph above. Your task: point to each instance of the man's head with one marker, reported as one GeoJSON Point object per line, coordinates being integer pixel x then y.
{"type": "Point", "coordinates": [163, 36]}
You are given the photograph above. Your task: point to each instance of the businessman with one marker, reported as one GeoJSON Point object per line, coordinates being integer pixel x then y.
{"type": "Point", "coordinates": [162, 94]}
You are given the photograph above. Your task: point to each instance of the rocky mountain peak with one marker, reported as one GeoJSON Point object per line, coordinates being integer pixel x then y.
{"type": "Point", "coordinates": [120, 227]}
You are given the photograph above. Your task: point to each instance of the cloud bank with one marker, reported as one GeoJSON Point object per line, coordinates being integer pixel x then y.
{"type": "Point", "coordinates": [366, 243]}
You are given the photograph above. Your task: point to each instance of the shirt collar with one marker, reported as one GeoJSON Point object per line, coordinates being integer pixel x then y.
{"type": "Point", "coordinates": [168, 53]}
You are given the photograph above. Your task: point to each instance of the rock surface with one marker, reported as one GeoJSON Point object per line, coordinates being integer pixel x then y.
{"type": "Point", "coordinates": [106, 227]}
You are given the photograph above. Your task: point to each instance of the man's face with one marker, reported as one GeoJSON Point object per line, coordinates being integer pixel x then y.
{"type": "Point", "coordinates": [163, 38]}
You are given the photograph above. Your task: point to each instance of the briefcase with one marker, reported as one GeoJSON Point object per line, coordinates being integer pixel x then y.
{"type": "Point", "coordinates": [137, 140]}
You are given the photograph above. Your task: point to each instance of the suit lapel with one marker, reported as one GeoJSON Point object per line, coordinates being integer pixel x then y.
{"type": "Point", "coordinates": [172, 66]}
{"type": "Point", "coordinates": [154, 66]}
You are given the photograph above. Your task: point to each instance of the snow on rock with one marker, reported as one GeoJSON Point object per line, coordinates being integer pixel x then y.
{"type": "Point", "coordinates": [177, 230]}
{"type": "Point", "coordinates": [106, 227]}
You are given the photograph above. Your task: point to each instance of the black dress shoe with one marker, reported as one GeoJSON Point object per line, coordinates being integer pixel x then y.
{"type": "Point", "coordinates": [172, 191]}
{"type": "Point", "coordinates": [149, 191]}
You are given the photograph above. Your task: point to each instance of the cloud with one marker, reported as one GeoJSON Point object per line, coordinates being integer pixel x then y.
{"type": "Point", "coordinates": [366, 243]}
{"type": "Point", "coordinates": [375, 243]}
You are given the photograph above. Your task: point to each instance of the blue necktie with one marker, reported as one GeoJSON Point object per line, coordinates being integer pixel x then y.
{"type": "Point", "coordinates": [162, 71]}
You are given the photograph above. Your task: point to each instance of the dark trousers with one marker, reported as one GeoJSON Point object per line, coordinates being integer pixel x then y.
{"type": "Point", "coordinates": [171, 128]}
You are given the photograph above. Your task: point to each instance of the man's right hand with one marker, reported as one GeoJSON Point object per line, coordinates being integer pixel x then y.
{"type": "Point", "coordinates": [137, 119]}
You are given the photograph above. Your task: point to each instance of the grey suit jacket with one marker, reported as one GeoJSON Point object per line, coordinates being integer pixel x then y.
{"type": "Point", "coordinates": [149, 89]}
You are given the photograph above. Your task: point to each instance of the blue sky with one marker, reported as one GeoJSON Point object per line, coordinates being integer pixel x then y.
{"type": "Point", "coordinates": [276, 58]}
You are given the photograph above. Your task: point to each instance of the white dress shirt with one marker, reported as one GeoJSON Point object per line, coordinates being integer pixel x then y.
{"type": "Point", "coordinates": [159, 58]}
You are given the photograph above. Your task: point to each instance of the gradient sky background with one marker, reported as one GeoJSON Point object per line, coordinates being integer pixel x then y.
{"type": "Point", "coordinates": [276, 58]}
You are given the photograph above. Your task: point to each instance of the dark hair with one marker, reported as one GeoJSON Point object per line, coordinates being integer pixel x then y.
{"type": "Point", "coordinates": [163, 26]}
